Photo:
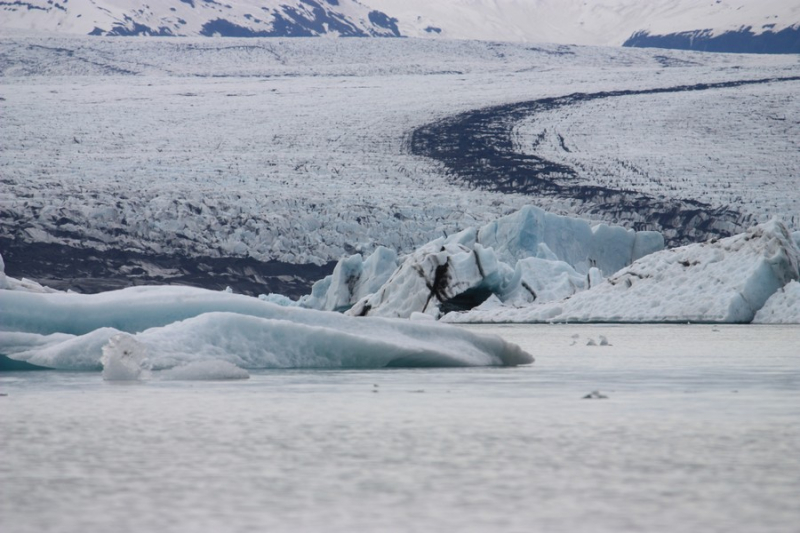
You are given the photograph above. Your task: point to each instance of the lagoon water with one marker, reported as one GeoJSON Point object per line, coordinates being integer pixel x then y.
{"type": "Point", "coordinates": [700, 431]}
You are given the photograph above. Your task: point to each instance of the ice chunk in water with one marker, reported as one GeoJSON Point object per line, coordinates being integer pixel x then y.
{"type": "Point", "coordinates": [124, 358]}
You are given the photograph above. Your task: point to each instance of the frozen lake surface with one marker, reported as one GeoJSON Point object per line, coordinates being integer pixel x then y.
{"type": "Point", "coordinates": [700, 431]}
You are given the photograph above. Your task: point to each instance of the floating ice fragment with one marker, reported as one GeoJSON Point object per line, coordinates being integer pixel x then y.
{"type": "Point", "coordinates": [124, 358]}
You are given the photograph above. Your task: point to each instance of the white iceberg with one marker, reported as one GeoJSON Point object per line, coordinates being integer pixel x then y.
{"type": "Point", "coordinates": [783, 307]}
{"type": "Point", "coordinates": [124, 358]}
{"type": "Point", "coordinates": [352, 279]}
{"type": "Point", "coordinates": [438, 277]}
{"type": "Point", "coordinates": [553, 257]}
{"type": "Point", "coordinates": [572, 240]}
{"type": "Point", "coordinates": [726, 280]}
{"type": "Point", "coordinates": [176, 326]}
{"type": "Point", "coordinates": [12, 284]}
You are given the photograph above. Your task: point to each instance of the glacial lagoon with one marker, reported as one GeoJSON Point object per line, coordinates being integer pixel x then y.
{"type": "Point", "coordinates": [693, 428]}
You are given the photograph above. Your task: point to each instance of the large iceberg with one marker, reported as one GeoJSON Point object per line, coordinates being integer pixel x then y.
{"type": "Point", "coordinates": [524, 257]}
{"type": "Point", "coordinates": [727, 280]}
{"type": "Point", "coordinates": [171, 327]}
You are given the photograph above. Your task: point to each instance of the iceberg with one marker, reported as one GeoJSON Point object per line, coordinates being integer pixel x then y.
{"type": "Point", "coordinates": [439, 277]}
{"type": "Point", "coordinates": [123, 359]}
{"type": "Point", "coordinates": [553, 257]}
{"type": "Point", "coordinates": [783, 307]}
{"type": "Point", "coordinates": [352, 279]}
{"type": "Point", "coordinates": [572, 240]}
{"type": "Point", "coordinates": [723, 280]}
{"type": "Point", "coordinates": [141, 328]}
{"type": "Point", "coordinates": [12, 284]}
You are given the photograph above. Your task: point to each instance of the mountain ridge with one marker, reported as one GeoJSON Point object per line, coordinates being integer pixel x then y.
{"type": "Point", "coordinates": [763, 26]}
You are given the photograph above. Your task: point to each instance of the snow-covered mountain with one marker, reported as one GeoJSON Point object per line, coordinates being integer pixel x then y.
{"type": "Point", "coordinates": [719, 25]}
{"type": "Point", "coordinates": [603, 22]}
{"type": "Point", "coordinates": [240, 18]}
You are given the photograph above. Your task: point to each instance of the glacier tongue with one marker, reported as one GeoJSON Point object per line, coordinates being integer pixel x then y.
{"type": "Point", "coordinates": [725, 280]}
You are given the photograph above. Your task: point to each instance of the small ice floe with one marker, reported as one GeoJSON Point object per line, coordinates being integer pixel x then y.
{"type": "Point", "coordinates": [603, 342]}
{"type": "Point", "coordinates": [124, 358]}
{"type": "Point", "coordinates": [595, 395]}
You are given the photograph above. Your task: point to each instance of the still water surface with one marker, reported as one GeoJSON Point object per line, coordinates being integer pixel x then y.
{"type": "Point", "coordinates": [700, 431]}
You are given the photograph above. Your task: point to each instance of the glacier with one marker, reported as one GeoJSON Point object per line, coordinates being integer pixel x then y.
{"type": "Point", "coordinates": [721, 281]}
{"type": "Point", "coordinates": [159, 328]}
{"type": "Point", "coordinates": [127, 193]}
